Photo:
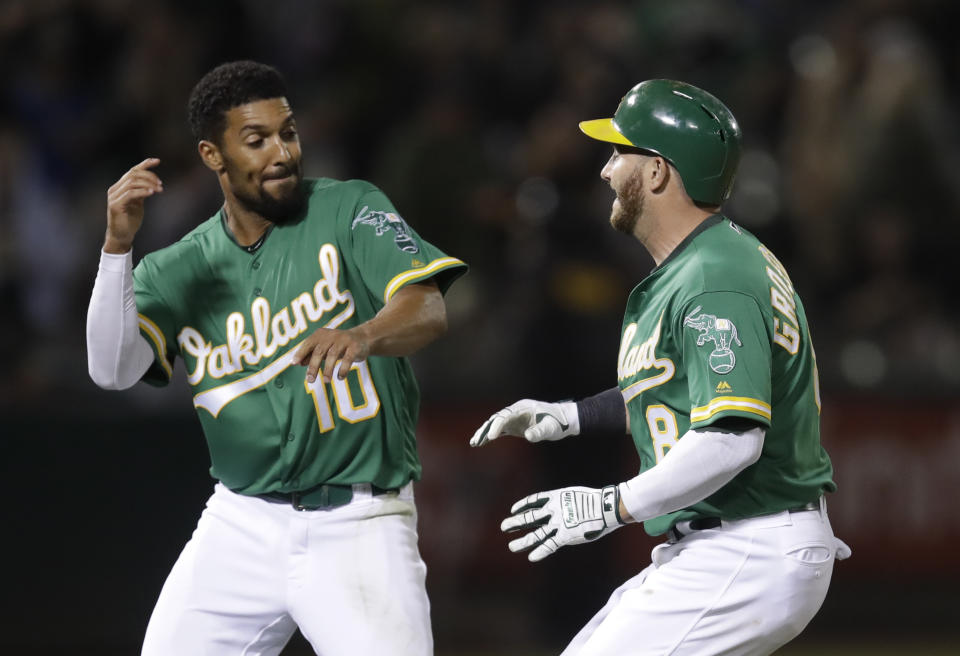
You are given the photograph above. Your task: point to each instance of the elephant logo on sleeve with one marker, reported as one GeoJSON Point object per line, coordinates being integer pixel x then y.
{"type": "Point", "coordinates": [723, 334]}
{"type": "Point", "coordinates": [384, 221]}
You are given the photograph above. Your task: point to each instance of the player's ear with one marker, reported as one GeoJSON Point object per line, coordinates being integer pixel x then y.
{"type": "Point", "coordinates": [658, 174]}
{"type": "Point", "coordinates": [211, 155]}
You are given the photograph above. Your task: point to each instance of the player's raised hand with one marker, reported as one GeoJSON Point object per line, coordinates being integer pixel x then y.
{"type": "Point", "coordinates": [570, 515]}
{"type": "Point", "coordinates": [532, 420]}
{"type": "Point", "coordinates": [125, 204]}
{"type": "Point", "coordinates": [331, 349]}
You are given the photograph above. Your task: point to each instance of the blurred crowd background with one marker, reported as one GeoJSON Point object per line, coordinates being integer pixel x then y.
{"type": "Point", "coordinates": [465, 114]}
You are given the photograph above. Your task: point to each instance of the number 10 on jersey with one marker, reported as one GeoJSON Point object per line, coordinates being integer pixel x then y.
{"type": "Point", "coordinates": [348, 408]}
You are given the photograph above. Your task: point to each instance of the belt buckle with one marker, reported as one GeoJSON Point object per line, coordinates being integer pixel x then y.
{"type": "Point", "coordinates": [809, 506]}
{"type": "Point", "coordinates": [322, 503]}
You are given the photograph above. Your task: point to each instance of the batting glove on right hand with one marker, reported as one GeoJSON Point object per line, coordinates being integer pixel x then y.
{"type": "Point", "coordinates": [533, 420]}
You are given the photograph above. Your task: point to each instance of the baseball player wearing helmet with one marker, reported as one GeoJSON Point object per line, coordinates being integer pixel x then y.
{"type": "Point", "coordinates": [717, 375]}
{"type": "Point", "coordinates": [312, 522]}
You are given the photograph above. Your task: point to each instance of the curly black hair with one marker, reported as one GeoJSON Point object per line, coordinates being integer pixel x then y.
{"type": "Point", "coordinates": [225, 87]}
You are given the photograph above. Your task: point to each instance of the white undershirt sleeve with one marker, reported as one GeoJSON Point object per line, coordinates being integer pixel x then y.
{"type": "Point", "coordinates": [117, 354]}
{"type": "Point", "coordinates": [695, 467]}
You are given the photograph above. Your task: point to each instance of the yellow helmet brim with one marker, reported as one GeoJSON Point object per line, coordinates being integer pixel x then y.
{"type": "Point", "coordinates": [603, 129]}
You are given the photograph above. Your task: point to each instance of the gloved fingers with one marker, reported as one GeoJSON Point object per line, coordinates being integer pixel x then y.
{"type": "Point", "coordinates": [490, 430]}
{"type": "Point", "coordinates": [546, 548]}
{"type": "Point", "coordinates": [532, 539]}
{"type": "Point", "coordinates": [512, 420]}
{"type": "Point", "coordinates": [535, 500]}
{"type": "Point", "coordinates": [527, 519]}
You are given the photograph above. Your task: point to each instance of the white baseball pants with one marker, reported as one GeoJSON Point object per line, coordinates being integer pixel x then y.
{"type": "Point", "coordinates": [351, 578]}
{"type": "Point", "coordinates": [745, 589]}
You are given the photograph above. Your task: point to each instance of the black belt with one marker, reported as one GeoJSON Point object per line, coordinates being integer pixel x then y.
{"type": "Point", "coordinates": [704, 523]}
{"type": "Point", "coordinates": [321, 497]}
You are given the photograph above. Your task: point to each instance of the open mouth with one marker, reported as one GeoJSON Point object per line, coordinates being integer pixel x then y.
{"type": "Point", "coordinates": [286, 177]}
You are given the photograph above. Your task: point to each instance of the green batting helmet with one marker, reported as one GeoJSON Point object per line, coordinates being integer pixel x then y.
{"type": "Point", "coordinates": [685, 125]}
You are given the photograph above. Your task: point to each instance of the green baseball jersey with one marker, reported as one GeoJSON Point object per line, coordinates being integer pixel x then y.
{"type": "Point", "coordinates": [717, 331]}
{"type": "Point", "coordinates": [236, 318]}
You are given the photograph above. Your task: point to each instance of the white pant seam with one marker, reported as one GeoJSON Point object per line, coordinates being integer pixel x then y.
{"type": "Point", "coordinates": [709, 607]}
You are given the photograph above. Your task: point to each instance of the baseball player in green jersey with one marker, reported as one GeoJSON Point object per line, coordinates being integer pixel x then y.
{"type": "Point", "coordinates": [292, 309]}
{"type": "Point", "coordinates": [718, 387]}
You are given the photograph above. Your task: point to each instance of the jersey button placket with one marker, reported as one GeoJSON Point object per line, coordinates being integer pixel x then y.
{"type": "Point", "coordinates": [255, 266]}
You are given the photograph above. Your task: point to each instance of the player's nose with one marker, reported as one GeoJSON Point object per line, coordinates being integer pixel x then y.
{"type": "Point", "coordinates": [280, 151]}
{"type": "Point", "coordinates": [605, 171]}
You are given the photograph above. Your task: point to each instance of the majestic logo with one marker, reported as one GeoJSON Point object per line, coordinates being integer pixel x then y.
{"type": "Point", "coordinates": [722, 333]}
{"type": "Point", "coordinates": [723, 387]}
{"type": "Point", "coordinates": [383, 221]}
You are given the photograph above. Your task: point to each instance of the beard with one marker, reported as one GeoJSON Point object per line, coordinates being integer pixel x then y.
{"type": "Point", "coordinates": [276, 209]}
{"type": "Point", "coordinates": [626, 213]}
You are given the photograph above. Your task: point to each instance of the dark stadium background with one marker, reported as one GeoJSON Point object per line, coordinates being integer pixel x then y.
{"type": "Point", "coordinates": [466, 115]}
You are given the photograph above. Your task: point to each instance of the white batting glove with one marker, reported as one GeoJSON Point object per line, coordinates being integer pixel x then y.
{"type": "Point", "coordinates": [570, 515]}
{"type": "Point", "coordinates": [533, 420]}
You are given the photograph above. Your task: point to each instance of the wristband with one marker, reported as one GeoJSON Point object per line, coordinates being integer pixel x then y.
{"type": "Point", "coordinates": [610, 506]}
{"type": "Point", "coordinates": [603, 413]}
